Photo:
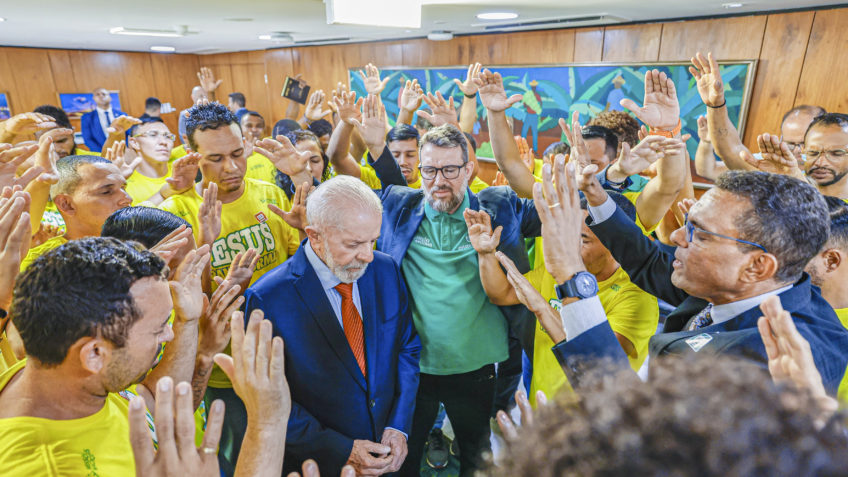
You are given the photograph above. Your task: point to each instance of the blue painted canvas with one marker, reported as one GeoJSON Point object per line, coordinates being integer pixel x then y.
{"type": "Point", "coordinates": [77, 104]}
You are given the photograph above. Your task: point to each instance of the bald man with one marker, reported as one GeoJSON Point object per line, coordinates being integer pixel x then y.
{"type": "Point", "coordinates": [197, 93]}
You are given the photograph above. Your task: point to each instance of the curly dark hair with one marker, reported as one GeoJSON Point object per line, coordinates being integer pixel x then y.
{"type": "Point", "coordinates": [788, 217]}
{"type": "Point", "coordinates": [625, 126]}
{"type": "Point", "coordinates": [321, 127]}
{"type": "Point", "coordinates": [56, 113]}
{"type": "Point", "coordinates": [80, 289]}
{"type": "Point", "coordinates": [208, 116]}
{"type": "Point", "coordinates": [715, 416]}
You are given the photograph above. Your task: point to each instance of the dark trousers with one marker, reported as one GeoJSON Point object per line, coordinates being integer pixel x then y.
{"type": "Point", "coordinates": [509, 376]}
{"type": "Point", "coordinates": [468, 400]}
{"type": "Point", "coordinates": [235, 424]}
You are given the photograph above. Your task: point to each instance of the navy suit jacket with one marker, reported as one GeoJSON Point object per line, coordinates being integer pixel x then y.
{"type": "Point", "coordinates": [403, 211]}
{"type": "Point", "coordinates": [332, 402]}
{"type": "Point", "coordinates": [92, 133]}
{"type": "Point", "coordinates": [650, 268]}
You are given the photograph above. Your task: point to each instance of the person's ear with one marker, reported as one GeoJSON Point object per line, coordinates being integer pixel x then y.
{"type": "Point", "coordinates": [832, 259]}
{"type": "Point", "coordinates": [761, 267]}
{"type": "Point", "coordinates": [315, 238]}
{"type": "Point", "coordinates": [65, 204]}
{"type": "Point", "coordinates": [94, 353]}
{"type": "Point", "coordinates": [134, 145]}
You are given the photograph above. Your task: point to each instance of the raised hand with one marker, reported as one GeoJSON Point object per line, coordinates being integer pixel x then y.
{"type": "Point", "coordinates": [168, 247]}
{"type": "Point", "coordinates": [492, 92]}
{"type": "Point", "coordinates": [574, 134]}
{"type": "Point", "coordinates": [347, 106]}
{"type": "Point", "coordinates": [469, 87]}
{"type": "Point", "coordinates": [183, 173]}
{"type": "Point", "coordinates": [703, 129]}
{"type": "Point", "coordinates": [11, 158]}
{"type": "Point", "coordinates": [257, 371]}
{"type": "Point", "coordinates": [14, 241]}
{"type": "Point", "coordinates": [789, 356]}
{"type": "Point", "coordinates": [117, 154]}
{"type": "Point", "coordinates": [371, 79]}
{"type": "Point", "coordinates": [214, 325]}
{"type": "Point", "coordinates": [45, 232]}
{"type": "Point", "coordinates": [28, 123]}
{"type": "Point", "coordinates": [525, 153]}
{"type": "Point", "coordinates": [186, 290]}
{"type": "Point", "coordinates": [500, 179]}
{"type": "Point", "coordinates": [282, 153]}
{"type": "Point", "coordinates": [531, 298]}
{"type": "Point", "coordinates": [480, 233]}
{"type": "Point", "coordinates": [315, 106]}
{"type": "Point", "coordinates": [207, 80]}
{"type": "Point", "coordinates": [121, 125]}
{"type": "Point", "coordinates": [647, 152]}
{"type": "Point", "coordinates": [527, 415]}
{"type": "Point", "coordinates": [296, 217]}
{"type": "Point", "coordinates": [209, 216]}
{"type": "Point", "coordinates": [174, 421]}
{"type": "Point", "coordinates": [410, 99]}
{"type": "Point", "coordinates": [709, 82]}
{"type": "Point", "coordinates": [587, 182]}
{"type": "Point", "coordinates": [372, 127]}
{"type": "Point", "coordinates": [777, 157]}
{"type": "Point", "coordinates": [660, 109]}
{"type": "Point", "coordinates": [242, 268]}
{"type": "Point", "coordinates": [562, 220]}
{"type": "Point", "coordinates": [442, 112]}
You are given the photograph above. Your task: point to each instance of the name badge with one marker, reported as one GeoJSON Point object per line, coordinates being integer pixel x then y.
{"type": "Point", "coordinates": [697, 342]}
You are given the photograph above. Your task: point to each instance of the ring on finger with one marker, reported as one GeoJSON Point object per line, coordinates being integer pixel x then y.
{"type": "Point", "coordinates": [553, 206]}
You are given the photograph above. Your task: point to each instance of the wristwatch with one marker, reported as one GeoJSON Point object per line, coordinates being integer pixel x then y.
{"type": "Point", "coordinates": [582, 285]}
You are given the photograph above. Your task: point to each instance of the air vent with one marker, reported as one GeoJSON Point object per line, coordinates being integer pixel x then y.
{"type": "Point", "coordinates": [322, 41]}
{"type": "Point", "coordinates": [540, 23]}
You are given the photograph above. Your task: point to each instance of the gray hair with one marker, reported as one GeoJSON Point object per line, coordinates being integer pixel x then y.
{"type": "Point", "coordinates": [333, 200]}
{"type": "Point", "coordinates": [447, 136]}
{"type": "Point", "coordinates": [68, 168]}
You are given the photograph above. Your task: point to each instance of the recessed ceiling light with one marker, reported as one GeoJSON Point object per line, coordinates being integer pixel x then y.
{"type": "Point", "coordinates": [264, 37]}
{"type": "Point", "coordinates": [497, 16]}
{"type": "Point", "coordinates": [238, 19]}
{"type": "Point", "coordinates": [2, 19]}
{"type": "Point", "coordinates": [163, 49]}
{"type": "Point", "coordinates": [141, 32]}
{"type": "Point", "coordinates": [732, 5]}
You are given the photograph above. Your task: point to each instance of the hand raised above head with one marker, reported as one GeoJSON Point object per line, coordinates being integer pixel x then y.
{"type": "Point", "coordinates": [371, 79]}
{"type": "Point", "coordinates": [710, 85]}
{"type": "Point", "coordinates": [492, 93]}
{"type": "Point", "coordinates": [660, 108]}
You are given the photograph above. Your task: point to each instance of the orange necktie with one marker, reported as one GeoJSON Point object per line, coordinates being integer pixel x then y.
{"type": "Point", "coordinates": [352, 323]}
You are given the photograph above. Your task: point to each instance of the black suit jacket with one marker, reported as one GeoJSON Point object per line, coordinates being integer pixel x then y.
{"type": "Point", "coordinates": [649, 267]}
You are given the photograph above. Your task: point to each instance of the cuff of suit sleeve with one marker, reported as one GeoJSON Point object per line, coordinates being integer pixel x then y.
{"type": "Point", "coordinates": [582, 315]}
{"type": "Point", "coordinates": [603, 211]}
{"type": "Point", "coordinates": [392, 428]}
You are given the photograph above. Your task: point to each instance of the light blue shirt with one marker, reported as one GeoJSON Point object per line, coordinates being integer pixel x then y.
{"type": "Point", "coordinates": [329, 281]}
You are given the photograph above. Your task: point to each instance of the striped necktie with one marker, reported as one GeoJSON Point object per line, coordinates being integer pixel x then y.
{"type": "Point", "coordinates": [352, 322]}
{"type": "Point", "coordinates": [702, 319]}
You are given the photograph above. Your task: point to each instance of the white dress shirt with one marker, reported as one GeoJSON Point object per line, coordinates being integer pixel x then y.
{"type": "Point", "coordinates": [104, 119]}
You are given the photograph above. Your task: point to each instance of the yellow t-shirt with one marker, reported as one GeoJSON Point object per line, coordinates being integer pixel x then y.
{"type": "Point", "coordinates": [52, 216]}
{"type": "Point", "coordinates": [141, 188]}
{"type": "Point", "coordinates": [631, 312]}
{"type": "Point", "coordinates": [36, 252]}
{"type": "Point", "coordinates": [476, 185]}
{"type": "Point", "coordinates": [177, 153]}
{"type": "Point", "coordinates": [85, 152]}
{"type": "Point", "coordinates": [245, 223]}
{"type": "Point", "coordinates": [261, 168]}
{"type": "Point", "coordinates": [98, 444]}
{"type": "Point", "coordinates": [842, 392]}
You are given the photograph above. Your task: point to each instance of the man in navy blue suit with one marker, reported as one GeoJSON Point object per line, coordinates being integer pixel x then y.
{"type": "Point", "coordinates": [351, 350]}
{"type": "Point", "coordinates": [95, 124]}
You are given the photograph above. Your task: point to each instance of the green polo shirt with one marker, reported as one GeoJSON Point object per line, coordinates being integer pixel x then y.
{"type": "Point", "coordinates": [460, 329]}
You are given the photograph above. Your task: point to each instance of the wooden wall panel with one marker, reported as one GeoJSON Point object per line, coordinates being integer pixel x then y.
{"type": "Point", "coordinates": [632, 43]}
{"type": "Point", "coordinates": [681, 40]}
{"type": "Point", "coordinates": [32, 82]}
{"type": "Point", "coordinates": [539, 47]}
{"type": "Point", "coordinates": [386, 53]}
{"type": "Point", "coordinates": [778, 72]}
{"type": "Point", "coordinates": [278, 65]}
{"type": "Point", "coordinates": [488, 49]}
{"type": "Point", "coordinates": [588, 45]}
{"type": "Point", "coordinates": [423, 52]}
{"type": "Point", "coordinates": [825, 69]}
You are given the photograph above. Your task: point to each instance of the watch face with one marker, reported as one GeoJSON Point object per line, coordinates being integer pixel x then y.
{"type": "Point", "coordinates": [585, 285]}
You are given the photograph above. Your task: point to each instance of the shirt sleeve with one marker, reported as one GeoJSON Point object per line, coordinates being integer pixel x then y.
{"type": "Point", "coordinates": [582, 315]}
{"type": "Point", "coordinates": [603, 211]}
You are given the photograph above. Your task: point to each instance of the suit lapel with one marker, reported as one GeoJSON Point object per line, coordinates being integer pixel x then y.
{"type": "Point", "coordinates": [312, 293]}
{"type": "Point", "coordinates": [406, 226]}
{"type": "Point", "coordinates": [681, 315]}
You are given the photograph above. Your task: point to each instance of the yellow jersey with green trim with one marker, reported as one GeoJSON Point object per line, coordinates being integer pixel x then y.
{"type": "Point", "coordinates": [630, 311]}
{"type": "Point", "coordinates": [40, 250]}
{"type": "Point", "coordinates": [98, 444]}
{"type": "Point", "coordinates": [141, 187]}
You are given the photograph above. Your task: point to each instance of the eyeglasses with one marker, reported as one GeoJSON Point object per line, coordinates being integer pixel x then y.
{"type": "Point", "coordinates": [156, 135]}
{"type": "Point", "coordinates": [691, 228]}
{"type": "Point", "coordinates": [837, 154]}
{"type": "Point", "coordinates": [448, 172]}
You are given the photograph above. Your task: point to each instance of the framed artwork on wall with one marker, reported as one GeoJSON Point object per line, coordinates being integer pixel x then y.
{"type": "Point", "coordinates": [5, 109]}
{"type": "Point", "coordinates": [77, 104]}
{"type": "Point", "coordinates": [550, 92]}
